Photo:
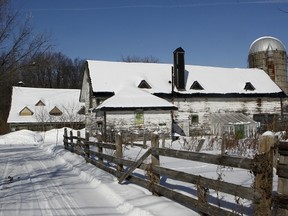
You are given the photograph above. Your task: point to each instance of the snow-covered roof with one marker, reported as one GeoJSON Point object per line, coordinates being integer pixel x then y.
{"type": "Point", "coordinates": [133, 98]}
{"type": "Point", "coordinates": [38, 102]}
{"type": "Point", "coordinates": [114, 76]}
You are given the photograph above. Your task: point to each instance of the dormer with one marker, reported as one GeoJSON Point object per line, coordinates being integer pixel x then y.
{"type": "Point", "coordinates": [40, 103]}
{"type": "Point", "coordinates": [55, 112]}
{"type": "Point", "coordinates": [26, 112]}
{"type": "Point", "coordinates": [196, 86]}
{"type": "Point", "coordinates": [144, 84]}
{"type": "Point", "coordinates": [82, 110]}
{"type": "Point", "coordinates": [249, 87]}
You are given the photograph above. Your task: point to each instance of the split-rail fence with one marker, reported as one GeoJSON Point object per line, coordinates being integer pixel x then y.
{"type": "Point", "coordinates": [260, 193]}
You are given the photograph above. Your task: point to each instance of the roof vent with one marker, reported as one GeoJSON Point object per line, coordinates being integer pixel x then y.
{"type": "Point", "coordinates": [249, 87]}
{"type": "Point", "coordinates": [196, 86]}
{"type": "Point", "coordinates": [144, 84]}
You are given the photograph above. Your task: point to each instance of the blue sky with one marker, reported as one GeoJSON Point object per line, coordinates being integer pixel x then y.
{"type": "Point", "coordinates": [212, 32]}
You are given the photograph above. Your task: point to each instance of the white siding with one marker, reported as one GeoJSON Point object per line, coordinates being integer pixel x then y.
{"type": "Point", "coordinates": [203, 107]}
{"type": "Point", "coordinates": [153, 121]}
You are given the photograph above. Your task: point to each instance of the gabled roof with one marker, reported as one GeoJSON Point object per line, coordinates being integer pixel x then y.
{"type": "Point", "coordinates": [30, 98]}
{"type": "Point", "coordinates": [134, 98]}
{"type": "Point", "coordinates": [110, 77]}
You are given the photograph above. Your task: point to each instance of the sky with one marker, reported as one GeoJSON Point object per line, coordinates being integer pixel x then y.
{"type": "Point", "coordinates": [212, 32]}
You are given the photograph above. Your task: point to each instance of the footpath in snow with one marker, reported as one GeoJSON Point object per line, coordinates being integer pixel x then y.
{"type": "Point", "coordinates": [39, 177]}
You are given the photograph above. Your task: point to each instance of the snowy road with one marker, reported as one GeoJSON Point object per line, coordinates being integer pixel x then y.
{"type": "Point", "coordinates": [48, 180]}
{"type": "Point", "coordinates": [42, 185]}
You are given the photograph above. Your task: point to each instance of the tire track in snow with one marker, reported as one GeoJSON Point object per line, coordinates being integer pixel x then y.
{"type": "Point", "coordinates": [122, 206]}
{"type": "Point", "coordinates": [56, 199]}
{"type": "Point", "coordinates": [3, 183]}
{"type": "Point", "coordinates": [43, 203]}
{"type": "Point", "coordinates": [10, 181]}
{"type": "Point", "coordinates": [72, 208]}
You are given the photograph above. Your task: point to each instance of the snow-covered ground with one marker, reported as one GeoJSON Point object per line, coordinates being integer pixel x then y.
{"type": "Point", "coordinates": [39, 177]}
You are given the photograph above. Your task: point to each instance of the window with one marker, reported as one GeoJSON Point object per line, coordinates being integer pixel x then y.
{"type": "Point", "coordinates": [144, 84]}
{"type": "Point", "coordinates": [194, 119]}
{"type": "Point", "coordinates": [55, 112]}
{"type": "Point", "coordinates": [40, 103]}
{"type": "Point", "coordinates": [265, 118]}
{"type": "Point", "coordinates": [249, 87]}
{"type": "Point", "coordinates": [81, 111]}
{"type": "Point", "coordinates": [26, 112]}
{"type": "Point", "coordinates": [239, 131]}
{"type": "Point", "coordinates": [196, 86]}
{"type": "Point", "coordinates": [139, 117]}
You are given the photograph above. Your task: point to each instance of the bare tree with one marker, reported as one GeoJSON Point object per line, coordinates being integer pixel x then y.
{"type": "Point", "coordinates": [53, 70]}
{"type": "Point", "coordinates": [69, 116]}
{"type": "Point", "coordinates": [18, 42]}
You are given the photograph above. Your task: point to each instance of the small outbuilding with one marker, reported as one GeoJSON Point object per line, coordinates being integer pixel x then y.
{"type": "Point", "coordinates": [133, 109]}
{"type": "Point", "coordinates": [45, 108]}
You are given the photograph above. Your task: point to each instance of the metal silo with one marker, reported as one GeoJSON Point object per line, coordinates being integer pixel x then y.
{"type": "Point", "coordinates": [269, 53]}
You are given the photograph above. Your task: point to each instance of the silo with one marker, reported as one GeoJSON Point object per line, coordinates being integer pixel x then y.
{"type": "Point", "coordinates": [269, 53]}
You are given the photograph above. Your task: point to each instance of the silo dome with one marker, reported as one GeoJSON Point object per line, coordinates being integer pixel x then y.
{"type": "Point", "coordinates": [266, 43]}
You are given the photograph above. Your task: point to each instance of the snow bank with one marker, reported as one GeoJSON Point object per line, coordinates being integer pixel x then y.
{"type": "Point", "coordinates": [268, 133]}
{"type": "Point", "coordinates": [24, 137]}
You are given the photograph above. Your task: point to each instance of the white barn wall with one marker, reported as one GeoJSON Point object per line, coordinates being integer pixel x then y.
{"type": "Point", "coordinates": [203, 107]}
{"type": "Point", "coordinates": [153, 121]}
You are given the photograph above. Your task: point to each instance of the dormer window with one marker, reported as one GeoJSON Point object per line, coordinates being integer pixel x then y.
{"type": "Point", "coordinates": [26, 112]}
{"type": "Point", "coordinates": [40, 103]}
{"type": "Point", "coordinates": [55, 112]}
{"type": "Point", "coordinates": [249, 87]}
{"type": "Point", "coordinates": [81, 111]}
{"type": "Point", "coordinates": [144, 84]}
{"type": "Point", "coordinates": [196, 86]}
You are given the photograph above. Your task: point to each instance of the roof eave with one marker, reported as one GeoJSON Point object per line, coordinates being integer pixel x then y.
{"type": "Point", "coordinates": [169, 108]}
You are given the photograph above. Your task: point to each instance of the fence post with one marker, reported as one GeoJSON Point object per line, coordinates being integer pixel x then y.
{"type": "Point", "coordinates": [100, 148]}
{"type": "Point", "coordinates": [163, 140]}
{"type": "Point", "coordinates": [202, 196]}
{"type": "Point", "coordinates": [264, 178]}
{"type": "Point", "coordinates": [65, 141]}
{"type": "Point", "coordinates": [154, 178]}
{"type": "Point", "coordinates": [223, 143]}
{"type": "Point", "coordinates": [132, 139]}
{"type": "Point", "coordinates": [282, 189]}
{"type": "Point", "coordinates": [71, 141]}
{"type": "Point", "coordinates": [119, 153]}
{"type": "Point", "coordinates": [144, 140]}
{"type": "Point", "coordinates": [78, 144]}
{"type": "Point", "coordinates": [87, 147]}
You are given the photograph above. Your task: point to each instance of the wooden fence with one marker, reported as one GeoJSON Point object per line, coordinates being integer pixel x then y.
{"type": "Point", "coordinates": [261, 166]}
{"type": "Point", "coordinates": [281, 198]}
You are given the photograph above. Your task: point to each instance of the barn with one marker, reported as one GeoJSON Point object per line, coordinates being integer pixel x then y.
{"type": "Point", "coordinates": [198, 92]}
{"type": "Point", "coordinates": [42, 109]}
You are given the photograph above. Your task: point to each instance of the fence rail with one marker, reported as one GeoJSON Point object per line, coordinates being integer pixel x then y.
{"type": "Point", "coordinates": [261, 166]}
